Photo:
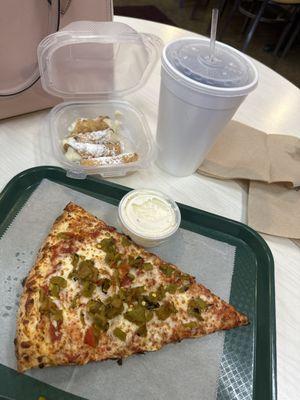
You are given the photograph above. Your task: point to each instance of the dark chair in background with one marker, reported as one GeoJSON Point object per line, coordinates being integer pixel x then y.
{"type": "Point", "coordinates": [290, 32]}
{"type": "Point", "coordinates": [286, 11]}
{"type": "Point", "coordinates": [220, 4]}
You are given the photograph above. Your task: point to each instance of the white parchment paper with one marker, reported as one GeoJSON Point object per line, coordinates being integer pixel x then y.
{"type": "Point", "coordinates": [187, 370]}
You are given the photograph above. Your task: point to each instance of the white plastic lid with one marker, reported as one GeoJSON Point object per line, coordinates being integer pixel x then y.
{"type": "Point", "coordinates": [92, 59]}
{"type": "Point", "coordinates": [229, 73]}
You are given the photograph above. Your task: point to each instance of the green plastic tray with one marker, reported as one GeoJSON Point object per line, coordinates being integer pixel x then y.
{"type": "Point", "coordinates": [248, 365]}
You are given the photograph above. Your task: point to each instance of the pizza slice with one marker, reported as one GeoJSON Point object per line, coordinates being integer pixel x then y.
{"type": "Point", "coordinates": [94, 295]}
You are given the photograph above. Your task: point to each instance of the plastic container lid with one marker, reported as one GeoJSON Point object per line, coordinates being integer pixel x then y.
{"type": "Point", "coordinates": [89, 60]}
{"type": "Point", "coordinates": [229, 71]}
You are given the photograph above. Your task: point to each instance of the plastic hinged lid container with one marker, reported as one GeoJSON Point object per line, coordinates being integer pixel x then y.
{"type": "Point", "coordinates": [91, 65]}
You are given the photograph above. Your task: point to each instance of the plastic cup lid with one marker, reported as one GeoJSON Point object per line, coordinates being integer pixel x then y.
{"type": "Point", "coordinates": [229, 69]}
{"type": "Point", "coordinates": [93, 59]}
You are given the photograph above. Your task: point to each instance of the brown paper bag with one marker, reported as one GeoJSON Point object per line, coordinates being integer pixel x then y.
{"type": "Point", "coordinates": [272, 165]}
{"type": "Point", "coordinates": [274, 209]}
{"type": "Point", "coordinates": [242, 152]}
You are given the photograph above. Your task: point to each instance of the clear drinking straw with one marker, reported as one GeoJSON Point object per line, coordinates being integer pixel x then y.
{"type": "Point", "coordinates": [213, 33]}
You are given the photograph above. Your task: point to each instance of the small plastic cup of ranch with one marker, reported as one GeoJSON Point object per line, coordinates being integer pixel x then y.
{"type": "Point", "coordinates": [149, 217]}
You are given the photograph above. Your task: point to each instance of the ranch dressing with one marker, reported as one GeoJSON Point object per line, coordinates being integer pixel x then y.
{"type": "Point", "coordinates": [149, 214]}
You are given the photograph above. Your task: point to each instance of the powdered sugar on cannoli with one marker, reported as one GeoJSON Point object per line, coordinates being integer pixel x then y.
{"type": "Point", "coordinates": [97, 141]}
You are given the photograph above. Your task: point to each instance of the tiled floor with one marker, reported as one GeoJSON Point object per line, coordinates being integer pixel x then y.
{"type": "Point", "coordinates": [289, 66]}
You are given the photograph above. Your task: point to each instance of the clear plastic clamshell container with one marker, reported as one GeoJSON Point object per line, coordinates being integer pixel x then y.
{"type": "Point", "coordinates": [91, 66]}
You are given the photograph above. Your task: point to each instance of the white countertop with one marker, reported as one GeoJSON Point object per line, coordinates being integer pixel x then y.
{"type": "Point", "coordinates": [273, 107]}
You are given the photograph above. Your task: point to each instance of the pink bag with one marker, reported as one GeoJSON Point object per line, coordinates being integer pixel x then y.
{"type": "Point", "coordinates": [23, 24]}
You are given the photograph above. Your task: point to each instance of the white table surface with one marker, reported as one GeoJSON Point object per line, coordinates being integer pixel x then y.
{"type": "Point", "coordinates": [273, 107]}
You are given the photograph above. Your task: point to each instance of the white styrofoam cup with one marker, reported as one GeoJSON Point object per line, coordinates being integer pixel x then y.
{"type": "Point", "coordinates": [192, 114]}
